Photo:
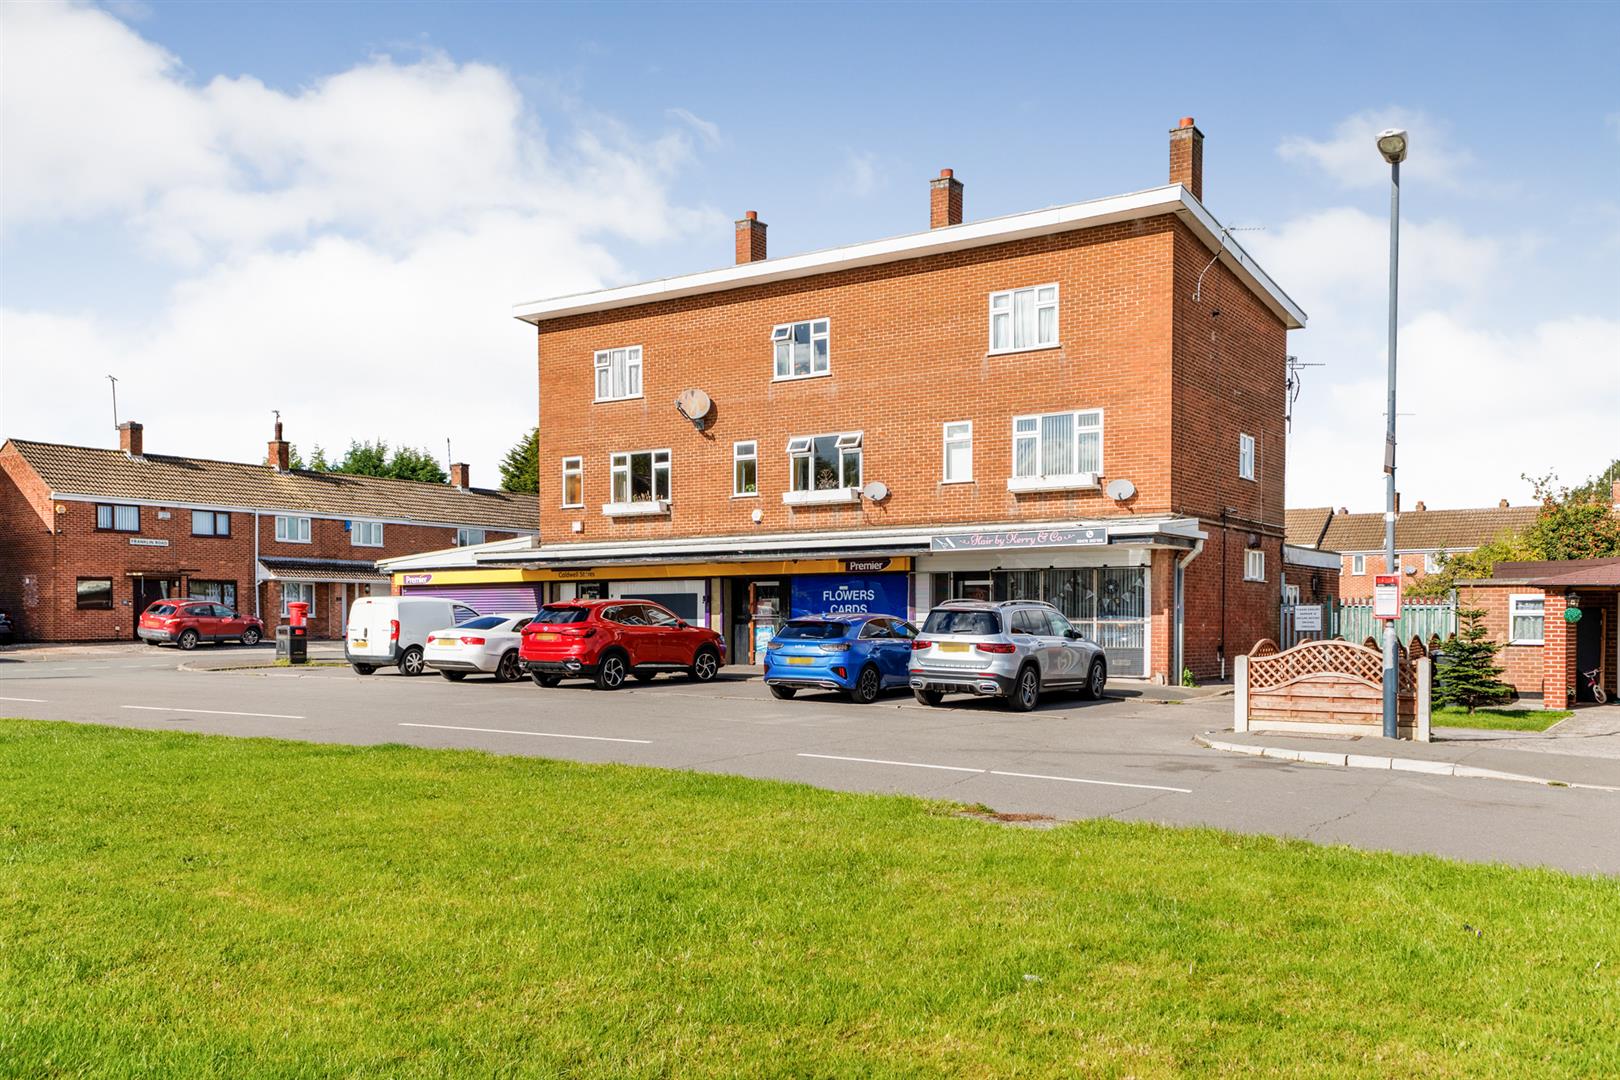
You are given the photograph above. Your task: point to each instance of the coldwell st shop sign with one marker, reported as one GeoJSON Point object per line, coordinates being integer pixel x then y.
{"type": "Point", "coordinates": [850, 594]}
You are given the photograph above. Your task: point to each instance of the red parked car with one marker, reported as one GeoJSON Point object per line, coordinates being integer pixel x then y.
{"type": "Point", "coordinates": [608, 640]}
{"type": "Point", "coordinates": [186, 622]}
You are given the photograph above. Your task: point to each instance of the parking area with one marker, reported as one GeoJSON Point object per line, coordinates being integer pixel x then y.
{"type": "Point", "coordinates": [1130, 755]}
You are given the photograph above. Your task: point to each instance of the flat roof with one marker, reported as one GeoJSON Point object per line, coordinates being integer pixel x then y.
{"type": "Point", "coordinates": [1171, 199]}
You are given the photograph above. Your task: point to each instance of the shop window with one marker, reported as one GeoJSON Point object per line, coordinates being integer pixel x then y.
{"type": "Point", "coordinates": [1057, 444]}
{"type": "Point", "coordinates": [958, 437]}
{"type": "Point", "coordinates": [291, 529]}
{"type": "Point", "coordinates": [618, 374]}
{"type": "Point", "coordinates": [801, 349]}
{"type": "Point", "coordinates": [118, 518]}
{"type": "Point", "coordinates": [210, 523]}
{"type": "Point", "coordinates": [1024, 319]}
{"type": "Point", "coordinates": [744, 468]}
{"type": "Point", "coordinates": [573, 482]}
{"type": "Point", "coordinates": [642, 476]}
{"type": "Point", "coordinates": [221, 592]}
{"type": "Point", "coordinates": [365, 534]}
{"type": "Point", "coordinates": [94, 594]}
{"type": "Point", "coordinates": [1527, 619]}
{"type": "Point", "coordinates": [297, 592]}
{"type": "Point", "coordinates": [1254, 565]}
{"type": "Point", "coordinates": [466, 537]}
{"type": "Point", "coordinates": [825, 462]}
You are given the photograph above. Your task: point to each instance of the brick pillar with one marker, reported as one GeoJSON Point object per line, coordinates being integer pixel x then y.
{"type": "Point", "coordinates": [1557, 653]}
{"type": "Point", "coordinates": [750, 238]}
{"type": "Point", "coordinates": [944, 200]}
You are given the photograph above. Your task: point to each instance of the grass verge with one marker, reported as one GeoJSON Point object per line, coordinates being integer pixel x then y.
{"type": "Point", "coordinates": [185, 905]}
{"type": "Point", "coordinates": [1499, 719]}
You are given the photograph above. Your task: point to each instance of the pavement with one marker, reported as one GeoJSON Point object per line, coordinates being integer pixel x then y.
{"type": "Point", "coordinates": [1132, 756]}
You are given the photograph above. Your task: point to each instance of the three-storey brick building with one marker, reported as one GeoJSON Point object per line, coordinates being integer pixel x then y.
{"type": "Point", "coordinates": [1083, 403]}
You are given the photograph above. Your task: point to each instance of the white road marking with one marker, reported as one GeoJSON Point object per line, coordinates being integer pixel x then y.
{"type": "Point", "coordinates": [997, 772]}
{"type": "Point", "coordinates": [210, 712]}
{"type": "Point", "coordinates": [881, 761]}
{"type": "Point", "coordinates": [538, 734]}
{"type": "Point", "coordinates": [35, 700]}
{"type": "Point", "coordinates": [1078, 780]}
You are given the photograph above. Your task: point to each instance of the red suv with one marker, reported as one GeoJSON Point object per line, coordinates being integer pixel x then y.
{"type": "Point", "coordinates": [606, 640]}
{"type": "Point", "coordinates": [186, 622]}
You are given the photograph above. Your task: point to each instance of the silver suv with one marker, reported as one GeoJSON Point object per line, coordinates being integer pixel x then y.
{"type": "Point", "coordinates": [1012, 649]}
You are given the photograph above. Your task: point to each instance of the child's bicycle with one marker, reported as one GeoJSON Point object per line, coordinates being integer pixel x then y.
{"type": "Point", "coordinates": [1596, 685]}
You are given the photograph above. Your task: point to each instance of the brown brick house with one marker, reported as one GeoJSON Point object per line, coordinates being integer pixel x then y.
{"type": "Point", "coordinates": [1083, 403]}
{"type": "Point", "coordinates": [89, 537]}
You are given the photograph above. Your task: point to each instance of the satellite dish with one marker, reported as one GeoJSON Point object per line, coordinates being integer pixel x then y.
{"type": "Point", "coordinates": [1121, 489]}
{"type": "Point", "coordinates": [695, 405]}
{"type": "Point", "coordinates": [877, 491]}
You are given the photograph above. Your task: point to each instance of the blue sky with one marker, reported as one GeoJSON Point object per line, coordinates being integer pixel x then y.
{"type": "Point", "coordinates": [197, 195]}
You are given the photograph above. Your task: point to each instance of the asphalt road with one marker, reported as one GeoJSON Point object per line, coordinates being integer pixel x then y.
{"type": "Point", "coordinates": [1125, 757]}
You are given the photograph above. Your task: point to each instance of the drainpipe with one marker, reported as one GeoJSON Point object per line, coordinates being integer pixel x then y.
{"type": "Point", "coordinates": [1180, 602]}
{"type": "Point", "coordinates": [256, 614]}
{"type": "Point", "coordinates": [1226, 512]}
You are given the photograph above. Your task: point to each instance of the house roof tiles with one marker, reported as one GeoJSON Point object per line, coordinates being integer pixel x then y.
{"type": "Point", "coordinates": [1426, 530]}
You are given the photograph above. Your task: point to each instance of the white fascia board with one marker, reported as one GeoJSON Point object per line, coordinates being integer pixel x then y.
{"type": "Point", "coordinates": [1171, 199]}
{"type": "Point", "coordinates": [446, 558]}
{"type": "Point", "coordinates": [1294, 555]}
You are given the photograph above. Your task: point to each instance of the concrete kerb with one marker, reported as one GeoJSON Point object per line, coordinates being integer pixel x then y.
{"type": "Point", "coordinates": [1376, 761]}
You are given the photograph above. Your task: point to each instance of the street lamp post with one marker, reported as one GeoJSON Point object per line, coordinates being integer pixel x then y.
{"type": "Point", "coordinates": [1392, 145]}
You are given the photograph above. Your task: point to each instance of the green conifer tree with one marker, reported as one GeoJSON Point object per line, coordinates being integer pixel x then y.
{"type": "Point", "coordinates": [1469, 675]}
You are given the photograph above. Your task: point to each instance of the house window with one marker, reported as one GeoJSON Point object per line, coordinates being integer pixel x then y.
{"type": "Point", "coordinates": [1290, 594]}
{"type": "Point", "coordinates": [365, 534]}
{"type": "Point", "coordinates": [1431, 562]}
{"type": "Point", "coordinates": [118, 518]}
{"type": "Point", "coordinates": [1057, 444]}
{"type": "Point", "coordinates": [1358, 564]}
{"type": "Point", "coordinates": [302, 592]}
{"type": "Point", "coordinates": [618, 374]}
{"type": "Point", "coordinates": [291, 529]}
{"type": "Point", "coordinates": [466, 537]}
{"type": "Point", "coordinates": [801, 349]}
{"type": "Point", "coordinates": [573, 490]}
{"type": "Point", "coordinates": [95, 594]}
{"type": "Point", "coordinates": [958, 452]}
{"type": "Point", "coordinates": [1527, 619]}
{"type": "Point", "coordinates": [1024, 319]}
{"type": "Point", "coordinates": [1254, 565]}
{"type": "Point", "coordinates": [744, 468]}
{"type": "Point", "coordinates": [210, 523]}
{"type": "Point", "coordinates": [825, 462]}
{"type": "Point", "coordinates": [221, 592]}
{"type": "Point", "coordinates": [1246, 457]}
{"type": "Point", "coordinates": [642, 476]}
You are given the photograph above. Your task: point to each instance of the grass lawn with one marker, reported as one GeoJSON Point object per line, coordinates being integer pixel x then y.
{"type": "Point", "coordinates": [181, 905]}
{"type": "Point", "coordinates": [1499, 719]}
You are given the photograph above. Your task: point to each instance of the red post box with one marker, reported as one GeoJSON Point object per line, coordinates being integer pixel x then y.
{"type": "Point", "coordinates": [297, 612]}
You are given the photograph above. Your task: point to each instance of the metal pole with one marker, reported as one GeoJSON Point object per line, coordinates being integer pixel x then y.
{"type": "Point", "coordinates": [1391, 681]}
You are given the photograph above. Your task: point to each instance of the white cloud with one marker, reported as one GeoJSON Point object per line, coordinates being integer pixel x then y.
{"type": "Point", "coordinates": [350, 250]}
{"type": "Point", "coordinates": [861, 174]}
{"type": "Point", "coordinates": [1349, 156]}
{"type": "Point", "coordinates": [706, 128]}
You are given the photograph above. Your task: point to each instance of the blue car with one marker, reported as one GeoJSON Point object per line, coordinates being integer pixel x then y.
{"type": "Point", "coordinates": [861, 655]}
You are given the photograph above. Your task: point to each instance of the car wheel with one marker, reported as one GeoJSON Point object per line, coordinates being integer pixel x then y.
{"type": "Point", "coordinates": [188, 640]}
{"type": "Point", "coordinates": [867, 686]}
{"type": "Point", "coordinates": [705, 665]}
{"type": "Point", "coordinates": [250, 637]}
{"type": "Point", "coordinates": [931, 698]}
{"type": "Point", "coordinates": [547, 681]}
{"type": "Point", "coordinates": [1096, 680]}
{"type": "Point", "coordinates": [644, 676]}
{"type": "Point", "coordinates": [507, 670]}
{"type": "Point", "coordinates": [454, 676]}
{"type": "Point", "coordinates": [784, 692]}
{"type": "Point", "coordinates": [1026, 692]}
{"type": "Point", "coordinates": [410, 662]}
{"type": "Point", "coordinates": [362, 669]}
{"type": "Point", "coordinates": [610, 672]}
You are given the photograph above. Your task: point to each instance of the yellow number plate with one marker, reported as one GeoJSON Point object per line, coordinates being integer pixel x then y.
{"type": "Point", "coordinates": [801, 659]}
{"type": "Point", "coordinates": [547, 637]}
{"type": "Point", "coordinates": [359, 643]}
{"type": "Point", "coordinates": [953, 646]}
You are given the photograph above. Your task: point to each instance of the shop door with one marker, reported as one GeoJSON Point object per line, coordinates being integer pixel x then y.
{"type": "Point", "coordinates": [751, 626]}
{"type": "Point", "coordinates": [148, 591]}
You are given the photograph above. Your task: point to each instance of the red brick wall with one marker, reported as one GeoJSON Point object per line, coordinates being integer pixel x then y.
{"type": "Point", "coordinates": [1524, 666]}
{"type": "Point", "coordinates": [1326, 578]}
{"type": "Point", "coordinates": [1251, 608]}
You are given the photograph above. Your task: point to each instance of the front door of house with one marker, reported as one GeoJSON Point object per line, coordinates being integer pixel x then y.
{"type": "Point", "coordinates": [149, 590]}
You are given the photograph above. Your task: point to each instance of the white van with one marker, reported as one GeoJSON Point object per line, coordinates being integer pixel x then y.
{"type": "Point", "coordinates": [391, 630]}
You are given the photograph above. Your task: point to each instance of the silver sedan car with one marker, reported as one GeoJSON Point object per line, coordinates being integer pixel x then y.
{"type": "Point", "coordinates": [1012, 649]}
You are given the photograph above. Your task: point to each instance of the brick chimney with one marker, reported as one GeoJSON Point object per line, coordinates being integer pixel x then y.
{"type": "Point", "coordinates": [1397, 502]}
{"type": "Point", "coordinates": [944, 200]}
{"type": "Point", "coordinates": [129, 438]}
{"type": "Point", "coordinates": [750, 238]}
{"type": "Point", "coordinates": [459, 473]}
{"type": "Point", "coordinates": [1501, 504]}
{"type": "Point", "coordinates": [1187, 157]}
{"type": "Point", "coordinates": [1420, 507]}
{"type": "Point", "coordinates": [280, 458]}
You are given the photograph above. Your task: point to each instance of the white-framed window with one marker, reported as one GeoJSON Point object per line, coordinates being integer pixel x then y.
{"type": "Point", "coordinates": [958, 451]}
{"type": "Point", "coordinates": [1024, 318]}
{"type": "Point", "coordinates": [618, 373]}
{"type": "Point", "coordinates": [118, 518]}
{"type": "Point", "coordinates": [291, 529]}
{"type": "Point", "coordinates": [1254, 565]}
{"type": "Point", "coordinates": [1431, 562]}
{"type": "Point", "coordinates": [825, 462]}
{"type": "Point", "coordinates": [1246, 457]}
{"type": "Point", "coordinates": [573, 481]}
{"type": "Point", "coordinates": [466, 536]}
{"type": "Point", "coordinates": [1527, 619]}
{"type": "Point", "coordinates": [744, 468]}
{"type": "Point", "coordinates": [1058, 444]}
{"type": "Point", "coordinates": [1358, 564]}
{"type": "Point", "coordinates": [1290, 594]}
{"type": "Point", "coordinates": [298, 592]}
{"type": "Point", "coordinates": [365, 534]}
{"type": "Point", "coordinates": [641, 476]}
{"type": "Point", "coordinates": [801, 349]}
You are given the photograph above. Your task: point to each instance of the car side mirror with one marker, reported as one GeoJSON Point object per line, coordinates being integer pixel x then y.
{"type": "Point", "coordinates": [1075, 635]}
{"type": "Point", "coordinates": [681, 624]}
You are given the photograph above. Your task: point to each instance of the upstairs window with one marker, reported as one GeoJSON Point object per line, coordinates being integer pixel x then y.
{"type": "Point", "coordinates": [1246, 457]}
{"type": "Point", "coordinates": [466, 537]}
{"type": "Point", "coordinates": [291, 529]}
{"type": "Point", "coordinates": [1057, 444]}
{"type": "Point", "coordinates": [573, 481]}
{"type": "Point", "coordinates": [642, 476]}
{"type": "Point", "coordinates": [958, 452]}
{"type": "Point", "coordinates": [1024, 319]}
{"type": "Point", "coordinates": [1358, 564]}
{"type": "Point", "coordinates": [1431, 562]}
{"type": "Point", "coordinates": [618, 373]}
{"type": "Point", "coordinates": [118, 518]}
{"type": "Point", "coordinates": [825, 462]}
{"type": "Point", "coordinates": [744, 468]}
{"type": "Point", "coordinates": [365, 534]}
{"type": "Point", "coordinates": [210, 523]}
{"type": "Point", "coordinates": [801, 349]}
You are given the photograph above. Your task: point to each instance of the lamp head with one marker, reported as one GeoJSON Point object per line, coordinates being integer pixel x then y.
{"type": "Point", "coordinates": [1392, 144]}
